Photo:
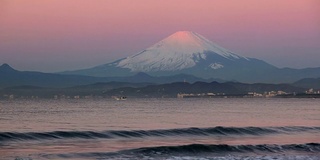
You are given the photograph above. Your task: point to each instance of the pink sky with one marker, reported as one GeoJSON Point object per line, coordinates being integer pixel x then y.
{"type": "Point", "coordinates": [57, 35]}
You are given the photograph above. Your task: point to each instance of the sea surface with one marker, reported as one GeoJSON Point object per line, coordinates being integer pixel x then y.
{"type": "Point", "coordinates": [174, 129]}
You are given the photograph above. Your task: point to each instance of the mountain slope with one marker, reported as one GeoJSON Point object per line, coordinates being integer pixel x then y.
{"type": "Point", "coordinates": [184, 52]}
{"type": "Point", "coordinates": [177, 52]}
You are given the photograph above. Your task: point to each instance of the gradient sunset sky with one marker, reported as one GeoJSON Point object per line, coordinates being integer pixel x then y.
{"type": "Point", "coordinates": [58, 35]}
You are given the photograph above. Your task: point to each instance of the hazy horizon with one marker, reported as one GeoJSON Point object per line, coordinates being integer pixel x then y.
{"type": "Point", "coordinates": [52, 36]}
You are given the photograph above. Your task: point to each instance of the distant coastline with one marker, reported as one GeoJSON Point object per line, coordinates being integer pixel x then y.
{"type": "Point", "coordinates": [16, 84]}
{"type": "Point", "coordinates": [171, 90]}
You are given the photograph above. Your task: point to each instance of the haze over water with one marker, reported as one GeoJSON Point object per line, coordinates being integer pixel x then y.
{"type": "Point", "coordinates": [160, 129]}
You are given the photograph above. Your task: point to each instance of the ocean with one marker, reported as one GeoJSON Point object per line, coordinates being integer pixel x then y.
{"type": "Point", "coordinates": [167, 128]}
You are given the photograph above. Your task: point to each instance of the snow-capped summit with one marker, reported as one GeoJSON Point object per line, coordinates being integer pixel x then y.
{"type": "Point", "coordinates": [184, 52]}
{"type": "Point", "coordinates": [181, 50]}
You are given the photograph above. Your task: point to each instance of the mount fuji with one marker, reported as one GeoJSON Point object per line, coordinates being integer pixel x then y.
{"type": "Point", "coordinates": [186, 52]}
{"type": "Point", "coordinates": [179, 51]}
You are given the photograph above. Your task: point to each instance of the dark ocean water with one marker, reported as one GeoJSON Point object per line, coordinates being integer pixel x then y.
{"type": "Point", "coordinates": [160, 129]}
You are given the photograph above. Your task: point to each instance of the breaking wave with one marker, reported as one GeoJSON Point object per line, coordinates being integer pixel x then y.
{"type": "Point", "coordinates": [200, 151]}
{"type": "Point", "coordinates": [198, 148]}
{"type": "Point", "coordinates": [215, 131]}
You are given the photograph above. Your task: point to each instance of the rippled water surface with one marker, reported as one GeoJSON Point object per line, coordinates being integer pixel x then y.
{"type": "Point", "coordinates": [160, 129]}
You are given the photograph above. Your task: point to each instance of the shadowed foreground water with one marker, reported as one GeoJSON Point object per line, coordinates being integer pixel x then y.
{"type": "Point", "coordinates": [160, 129]}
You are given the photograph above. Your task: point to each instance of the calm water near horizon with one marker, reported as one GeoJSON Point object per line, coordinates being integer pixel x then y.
{"type": "Point", "coordinates": [231, 128]}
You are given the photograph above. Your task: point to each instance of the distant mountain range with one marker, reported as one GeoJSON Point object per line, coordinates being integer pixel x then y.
{"type": "Point", "coordinates": [11, 77]}
{"type": "Point", "coordinates": [47, 85]}
{"type": "Point", "coordinates": [182, 57]}
{"type": "Point", "coordinates": [110, 89]}
{"type": "Point", "coordinates": [189, 53]}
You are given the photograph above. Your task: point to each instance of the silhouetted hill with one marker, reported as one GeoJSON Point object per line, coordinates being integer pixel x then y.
{"type": "Point", "coordinates": [229, 88]}
{"type": "Point", "coordinates": [5, 68]}
{"type": "Point", "coordinates": [262, 87]}
{"type": "Point", "coordinates": [24, 87]}
{"type": "Point", "coordinates": [96, 89]}
{"type": "Point", "coordinates": [308, 83]}
{"type": "Point", "coordinates": [172, 89]}
{"type": "Point", "coordinates": [147, 90]}
{"type": "Point", "coordinates": [105, 86]}
{"type": "Point", "coordinates": [11, 77]}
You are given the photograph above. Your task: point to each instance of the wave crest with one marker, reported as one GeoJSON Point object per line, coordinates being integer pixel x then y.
{"type": "Point", "coordinates": [215, 131]}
